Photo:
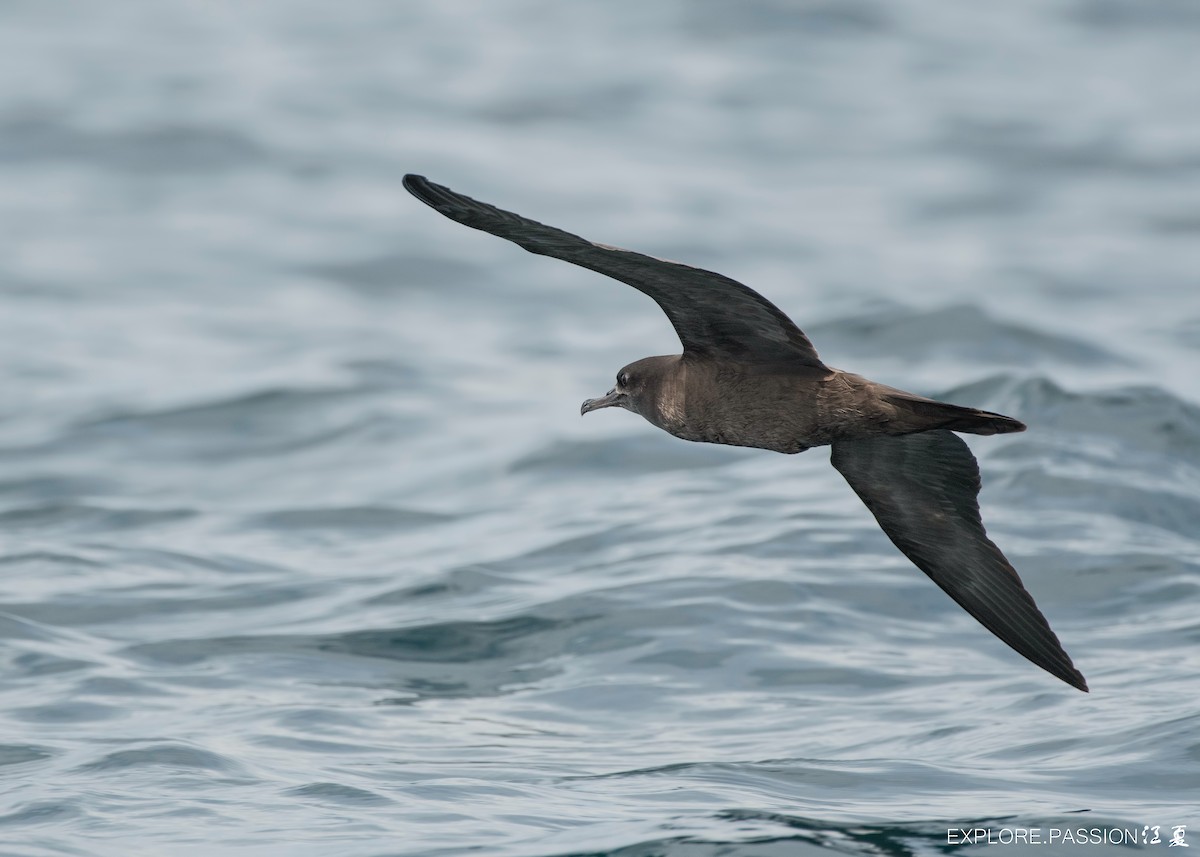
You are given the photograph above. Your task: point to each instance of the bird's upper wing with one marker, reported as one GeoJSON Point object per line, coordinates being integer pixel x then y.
{"type": "Point", "coordinates": [923, 490]}
{"type": "Point", "coordinates": [713, 315]}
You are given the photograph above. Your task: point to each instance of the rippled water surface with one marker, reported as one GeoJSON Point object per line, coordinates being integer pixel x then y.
{"type": "Point", "coordinates": [305, 550]}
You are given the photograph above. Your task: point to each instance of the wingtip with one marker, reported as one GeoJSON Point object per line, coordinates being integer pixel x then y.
{"type": "Point", "coordinates": [1059, 663]}
{"type": "Point", "coordinates": [1065, 671]}
{"type": "Point", "coordinates": [439, 197]}
{"type": "Point", "coordinates": [414, 183]}
{"type": "Point", "coordinates": [1056, 662]}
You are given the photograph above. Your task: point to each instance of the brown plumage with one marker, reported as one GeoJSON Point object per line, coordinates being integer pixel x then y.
{"type": "Point", "coordinates": [749, 377]}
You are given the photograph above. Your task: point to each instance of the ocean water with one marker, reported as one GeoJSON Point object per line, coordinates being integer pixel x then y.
{"type": "Point", "coordinates": [305, 549]}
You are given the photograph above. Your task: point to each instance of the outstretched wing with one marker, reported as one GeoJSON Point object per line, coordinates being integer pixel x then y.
{"type": "Point", "coordinates": [713, 315]}
{"type": "Point", "coordinates": [923, 489]}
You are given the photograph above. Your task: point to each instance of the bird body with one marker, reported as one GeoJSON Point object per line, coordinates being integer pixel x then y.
{"type": "Point", "coordinates": [779, 407]}
{"type": "Point", "coordinates": [749, 377]}
{"type": "Point", "coordinates": [767, 406]}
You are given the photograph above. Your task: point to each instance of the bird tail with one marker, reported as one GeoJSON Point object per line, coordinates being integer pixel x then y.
{"type": "Point", "coordinates": [927, 414]}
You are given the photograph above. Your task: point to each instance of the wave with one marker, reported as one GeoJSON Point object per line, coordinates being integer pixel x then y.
{"type": "Point", "coordinates": [963, 331]}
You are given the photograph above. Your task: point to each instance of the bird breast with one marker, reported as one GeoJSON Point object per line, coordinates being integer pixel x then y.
{"type": "Point", "coordinates": [738, 406]}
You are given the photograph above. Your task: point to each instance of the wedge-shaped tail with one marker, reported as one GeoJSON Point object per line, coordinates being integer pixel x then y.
{"type": "Point", "coordinates": [932, 414]}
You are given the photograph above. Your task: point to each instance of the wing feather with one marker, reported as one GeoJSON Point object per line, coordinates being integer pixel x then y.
{"type": "Point", "coordinates": [715, 317]}
{"type": "Point", "coordinates": [923, 489]}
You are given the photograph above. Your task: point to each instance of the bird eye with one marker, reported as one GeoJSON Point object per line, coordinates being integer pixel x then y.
{"type": "Point", "coordinates": [623, 379]}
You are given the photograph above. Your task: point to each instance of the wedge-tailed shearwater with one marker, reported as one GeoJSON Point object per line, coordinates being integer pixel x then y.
{"type": "Point", "coordinates": [749, 377]}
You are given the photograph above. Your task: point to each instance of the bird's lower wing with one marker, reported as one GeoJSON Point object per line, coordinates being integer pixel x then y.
{"type": "Point", "coordinates": [713, 315]}
{"type": "Point", "coordinates": [923, 489]}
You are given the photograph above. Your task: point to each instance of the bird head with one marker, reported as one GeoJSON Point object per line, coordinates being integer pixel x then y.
{"type": "Point", "coordinates": [636, 383]}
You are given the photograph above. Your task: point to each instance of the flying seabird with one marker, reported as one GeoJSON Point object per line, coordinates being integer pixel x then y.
{"type": "Point", "coordinates": [749, 377]}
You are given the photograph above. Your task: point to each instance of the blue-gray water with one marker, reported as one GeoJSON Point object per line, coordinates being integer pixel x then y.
{"type": "Point", "coordinates": [305, 549]}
